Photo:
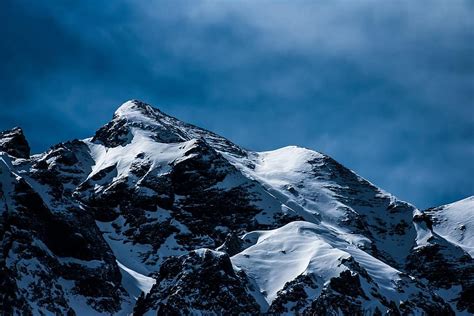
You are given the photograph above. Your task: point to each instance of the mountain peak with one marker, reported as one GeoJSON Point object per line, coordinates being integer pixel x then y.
{"type": "Point", "coordinates": [13, 142]}
{"type": "Point", "coordinates": [137, 110]}
{"type": "Point", "coordinates": [136, 117]}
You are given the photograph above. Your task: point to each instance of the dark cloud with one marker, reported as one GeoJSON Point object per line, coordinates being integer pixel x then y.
{"type": "Point", "coordinates": [387, 88]}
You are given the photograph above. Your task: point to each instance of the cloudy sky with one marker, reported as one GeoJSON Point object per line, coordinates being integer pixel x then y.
{"type": "Point", "coordinates": [385, 87]}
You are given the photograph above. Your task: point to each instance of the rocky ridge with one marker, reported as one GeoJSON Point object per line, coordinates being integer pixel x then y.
{"type": "Point", "coordinates": [154, 215]}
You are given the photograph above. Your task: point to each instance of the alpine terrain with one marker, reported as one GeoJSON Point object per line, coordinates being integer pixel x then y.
{"type": "Point", "coordinates": [154, 216]}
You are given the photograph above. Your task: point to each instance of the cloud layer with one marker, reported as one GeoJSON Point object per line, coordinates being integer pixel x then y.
{"type": "Point", "coordinates": [387, 88]}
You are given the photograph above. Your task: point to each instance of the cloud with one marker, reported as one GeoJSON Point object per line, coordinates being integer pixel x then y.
{"type": "Point", "coordinates": [385, 87]}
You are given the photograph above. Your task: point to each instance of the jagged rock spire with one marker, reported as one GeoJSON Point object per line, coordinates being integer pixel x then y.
{"type": "Point", "coordinates": [14, 143]}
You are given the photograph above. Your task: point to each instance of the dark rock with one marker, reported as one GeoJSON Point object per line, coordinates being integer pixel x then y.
{"type": "Point", "coordinates": [201, 281]}
{"type": "Point", "coordinates": [232, 245]}
{"type": "Point", "coordinates": [445, 265]}
{"type": "Point", "coordinates": [14, 143]}
{"type": "Point", "coordinates": [294, 294]}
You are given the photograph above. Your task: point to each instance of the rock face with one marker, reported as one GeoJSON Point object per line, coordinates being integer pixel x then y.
{"type": "Point", "coordinates": [202, 280]}
{"type": "Point", "coordinates": [14, 143]}
{"type": "Point", "coordinates": [152, 215]}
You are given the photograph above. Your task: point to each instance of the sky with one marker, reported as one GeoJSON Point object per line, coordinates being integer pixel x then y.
{"type": "Point", "coordinates": [384, 87]}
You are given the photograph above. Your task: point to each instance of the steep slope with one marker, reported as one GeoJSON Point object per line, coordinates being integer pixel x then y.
{"type": "Point", "coordinates": [442, 256]}
{"type": "Point", "coordinates": [54, 260]}
{"type": "Point", "coordinates": [14, 143]}
{"type": "Point", "coordinates": [455, 223]}
{"type": "Point", "coordinates": [130, 218]}
{"type": "Point", "coordinates": [335, 195]}
{"type": "Point", "coordinates": [167, 191]}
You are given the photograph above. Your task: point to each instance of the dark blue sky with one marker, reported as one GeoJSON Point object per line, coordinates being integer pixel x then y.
{"type": "Point", "coordinates": [386, 88]}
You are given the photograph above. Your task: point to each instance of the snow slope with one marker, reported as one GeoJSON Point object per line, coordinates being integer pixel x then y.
{"type": "Point", "coordinates": [301, 248]}
{"type": "Point", "coordinates": [455, 223]}
{"type": "Point", "coordinates": [319, 189]}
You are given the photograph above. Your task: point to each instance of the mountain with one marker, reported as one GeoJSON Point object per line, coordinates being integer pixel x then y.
{"type": "Point", "coordinates": [455, 223]}
{"type": "Point", "coordinates": [152, 215]}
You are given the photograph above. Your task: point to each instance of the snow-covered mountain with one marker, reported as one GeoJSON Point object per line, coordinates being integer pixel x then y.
{"type": "Point", "coordinates": [152, 215]}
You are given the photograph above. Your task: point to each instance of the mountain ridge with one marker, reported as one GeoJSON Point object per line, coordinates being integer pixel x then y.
{"type": "Point", "coordinates": [143, 199]}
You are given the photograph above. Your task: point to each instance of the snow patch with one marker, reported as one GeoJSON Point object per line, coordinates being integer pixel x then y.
{"type": "Point", "coordinates": [135, 283]}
